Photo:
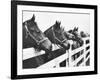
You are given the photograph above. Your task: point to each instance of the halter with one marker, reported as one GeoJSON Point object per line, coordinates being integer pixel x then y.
{"type": "Point", "coordinates": [57, 38]}
{"type": "Point", "coordinates": [28, 33]}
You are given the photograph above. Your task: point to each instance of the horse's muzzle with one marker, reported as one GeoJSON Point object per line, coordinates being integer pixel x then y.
{"type": "Point", "coordinates": [46, 45]}
{"type": "Point", "coordinates": [66, 46]}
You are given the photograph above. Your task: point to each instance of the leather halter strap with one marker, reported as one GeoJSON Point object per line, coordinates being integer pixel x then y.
{"type": "Point", "coordinates": [28, 33]}
{"type": "Point", "coordinates": [57, 38]}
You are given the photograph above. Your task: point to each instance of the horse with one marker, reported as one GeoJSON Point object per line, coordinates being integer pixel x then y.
{"type": "Point", "coordinates": [83, 34]}
{"type": "Point", "coordinates": [56, 35]}
{"type": "Point", "coordinates": [34, 37]}
{"type": "Point", "coordinates": [76, 37]}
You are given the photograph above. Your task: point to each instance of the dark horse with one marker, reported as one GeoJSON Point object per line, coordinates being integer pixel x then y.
{"type": "Point", "coordinates": [83, 34]}
{"type": "Point", "coordinates": [56, 35]}
{"type": "Point", "coordinates": [76, 37]}
{"type": "Point", "coordinates": [34, 37]}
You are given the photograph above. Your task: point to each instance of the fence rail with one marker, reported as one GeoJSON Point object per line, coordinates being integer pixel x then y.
{"type": "Point", "coordinates": [30, 52]}
{"type": "Point", "coordinates": [68, 57]}
{"type": "Point", "coordinates": [76, 57]}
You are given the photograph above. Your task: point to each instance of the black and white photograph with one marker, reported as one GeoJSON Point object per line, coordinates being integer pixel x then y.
{"type": "Point", "coordinates": [49, 35]}
{"type": "Point", "coordinates": [53, 39]}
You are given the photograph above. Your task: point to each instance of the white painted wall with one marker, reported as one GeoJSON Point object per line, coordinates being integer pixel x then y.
{"type": "Point", "coordinates": [5, 29]}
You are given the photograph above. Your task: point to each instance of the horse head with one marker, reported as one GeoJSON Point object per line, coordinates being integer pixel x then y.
{"type": "Point", "coordinates": [33, 36]}
{"type": "Point", "coordinates": [56, 35]}
{"type": "Point", "coordinates": [76, 36]}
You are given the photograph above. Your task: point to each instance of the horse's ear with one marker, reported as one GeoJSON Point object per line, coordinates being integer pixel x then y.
{"type": "Point", "coordinates": [63, 28]}
{"type": "Point", "coordinates": [55, 25]}
{"type": "Point", "coordinates": [33, 18]}
{"type": "Point", "coordinates": [74, 29]}
{"type": "Point", "coordinates": [77, 29]}
{"type": "Point", "coordinates": [56, 21]}
{"type": "Point", "coordinates": [59, 22]}
{"type": "Point", "coordinates": [23, 23]}
{"type": "Point", "coordinates": [70, 31]}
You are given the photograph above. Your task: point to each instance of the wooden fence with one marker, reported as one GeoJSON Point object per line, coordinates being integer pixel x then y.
{"type": "Point", "coordinates": [72, 58]}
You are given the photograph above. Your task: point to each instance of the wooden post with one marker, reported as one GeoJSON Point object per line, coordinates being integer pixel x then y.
{"type": "Point", "coordinates": [70, 57]}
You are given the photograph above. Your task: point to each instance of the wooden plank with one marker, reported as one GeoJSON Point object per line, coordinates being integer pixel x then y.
{"type": "Point", "coordinates": [31, 52]}
{"type": "Point", "coordinates": [59, 55]}
{"type": "Point", "coordinates": [85, 61]}
{"type": "Point", "coordinates": [55, 62]}
{"type": "Point", "coordinates": [35, 62]}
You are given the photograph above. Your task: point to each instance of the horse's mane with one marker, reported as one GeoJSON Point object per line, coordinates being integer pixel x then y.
{"type": "Point", "coordinates": [49, 29]}
{"type": "Point", "coordinates": [62, 28]}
